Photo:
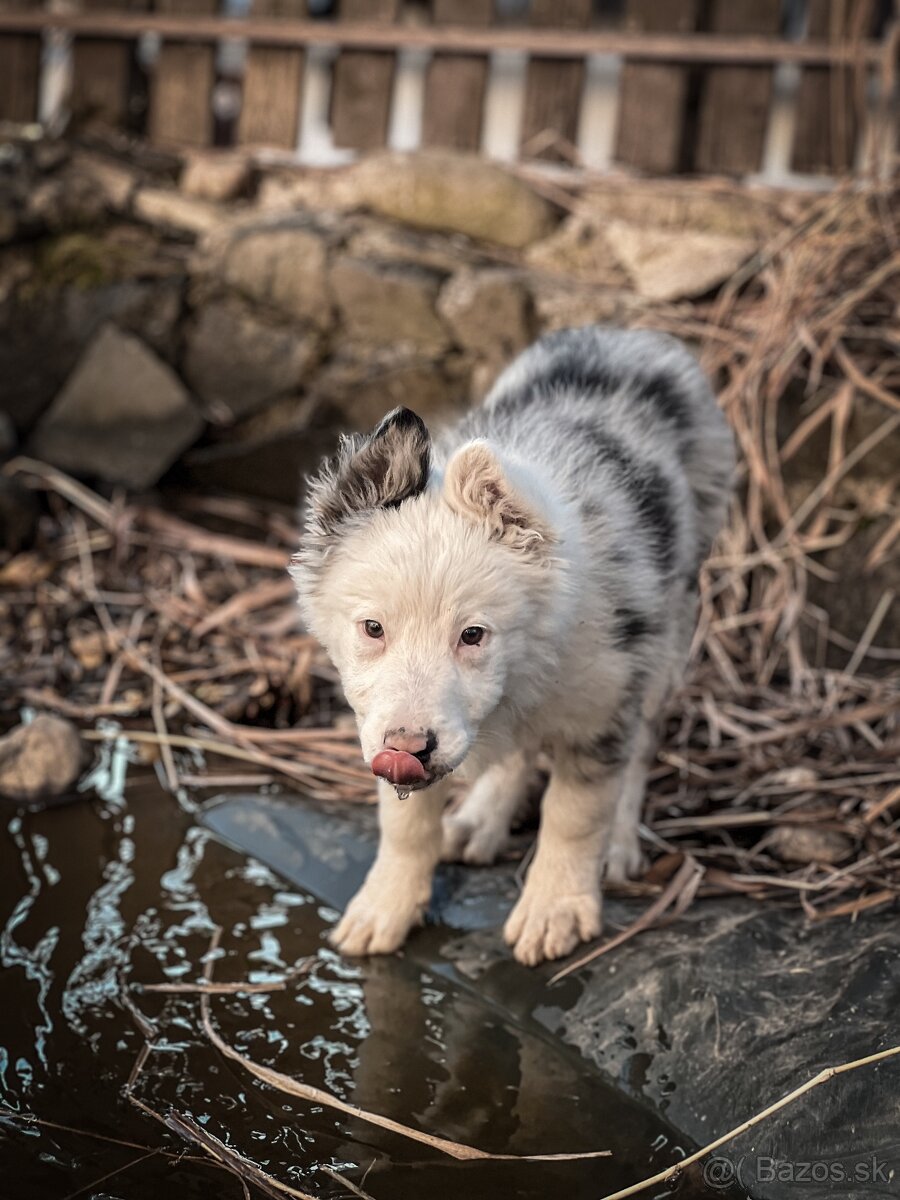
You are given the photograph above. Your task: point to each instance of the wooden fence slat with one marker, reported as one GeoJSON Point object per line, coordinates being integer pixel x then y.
{"type": "Point", "coordinates": [553, 87]}
{"type": "Point", "coordinates": [182, 84]}
{"type": "Point", "coordinates": [102, 74]}
{"type": "Point", "coordinates": [653, 97]}
{"type": "Point", "coordinates": [363, 82]}
{"type": "Point", "coordinates": [20, 71]}
{"type": "Point", "coordinates": [826, 123]}
{"type": "Point", "coordinates": [456, 84]}
{"type": "Point", "coordinates": [735, 101]}
{"type": "Point", "coordinates": [273, 85]}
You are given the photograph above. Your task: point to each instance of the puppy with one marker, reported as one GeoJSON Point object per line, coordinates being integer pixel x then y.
{"type": "Point", "coordinates": [526, 583]}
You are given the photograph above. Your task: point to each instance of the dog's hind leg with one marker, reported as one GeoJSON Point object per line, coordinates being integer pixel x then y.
{"type": "Point", "coordinates": [624, 859]}
{"type": "Point", "coordinates": [623, 853]}
{"type": "Point", "coordinates": [478, 829]}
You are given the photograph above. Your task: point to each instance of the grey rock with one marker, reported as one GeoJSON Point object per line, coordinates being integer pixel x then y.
{"type": "Point", "coordinates": [66, 199]}
{"type": "Point", "coordinates": [489, 312]}
{"type": "Point", "coordinates": [123, 415]}
{"type": "Point", "coordinates": [235, 361]}
{"type": "Point", "coordinates": [41, 759]}
{"type": "Point", "coordinates": [389, 303]}
{"type": "Point", "coordinates": [215, 176]}
{"type": "Point", "coordinates": [171, 210]}
{"type": "Point", "coordinates": [114, 182]}
{"type": "Point", "coordinates": [807, 844]}
{"type": "Point", "coordinates": [45, 334]}
{"type": "Point", "coordinates": [281, 264]}
{"type": "Point", "coordinates": [579, 248]}
{"type": "Point", "coordinates": [706, 1020]}
{"type": "Point", "coordinates": [456, 193]}
{"type": "Point", "coordinates": [666, 267]}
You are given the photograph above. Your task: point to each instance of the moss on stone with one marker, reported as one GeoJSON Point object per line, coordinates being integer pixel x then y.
{"type": "Point", "coordinates": [82, 260]}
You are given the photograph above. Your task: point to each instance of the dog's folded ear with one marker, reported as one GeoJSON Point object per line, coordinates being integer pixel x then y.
{"type": "Point", "coordinates": [478, 486]}
{"type": "Point", "coordinates": [380, 470]}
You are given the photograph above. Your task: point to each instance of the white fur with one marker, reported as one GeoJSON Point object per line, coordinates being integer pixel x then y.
{"type": "Point", "coordinates": [569, 526]}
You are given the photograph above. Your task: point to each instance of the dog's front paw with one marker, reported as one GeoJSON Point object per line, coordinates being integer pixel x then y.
{"type": "Point", "coordinates": [476, 842]}
{"type": "Point", "coordinates": [380, 916]}
{"type": "Point", "coordinates": [545, 926]}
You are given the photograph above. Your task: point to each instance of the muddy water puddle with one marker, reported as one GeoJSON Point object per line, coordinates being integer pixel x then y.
{"type": "Point", "coordinates": [105, 894]}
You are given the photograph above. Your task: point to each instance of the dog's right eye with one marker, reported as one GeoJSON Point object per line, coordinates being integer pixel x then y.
{"type": "Point", "coordinates": [374, 629]}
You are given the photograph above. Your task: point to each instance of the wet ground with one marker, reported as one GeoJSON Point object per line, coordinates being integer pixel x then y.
{"type": "Point", "coordinates": [123, 887]}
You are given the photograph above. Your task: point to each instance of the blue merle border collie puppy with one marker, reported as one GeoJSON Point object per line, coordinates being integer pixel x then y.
{"type": "Point", "coordinates": [525, 584]}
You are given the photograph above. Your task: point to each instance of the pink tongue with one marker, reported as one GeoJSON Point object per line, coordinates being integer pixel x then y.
{"type": "Point", "coordinates": [398, 767]}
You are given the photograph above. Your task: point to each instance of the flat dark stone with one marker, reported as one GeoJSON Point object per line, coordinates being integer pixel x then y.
{"type": "Point", "coordinates": [706, 1021]}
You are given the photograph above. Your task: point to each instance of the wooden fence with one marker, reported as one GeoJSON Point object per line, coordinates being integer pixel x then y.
{"type": "Point", "coordinates": [694, 79]}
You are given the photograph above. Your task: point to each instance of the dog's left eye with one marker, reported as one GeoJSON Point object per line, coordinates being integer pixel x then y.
{"type": "Point", "coordinates": [374, 629]}
{"type": "Point", "coordinates": [472, 635]}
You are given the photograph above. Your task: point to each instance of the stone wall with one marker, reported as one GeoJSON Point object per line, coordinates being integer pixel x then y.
{"type": "Point", "coordinates": [223, 321]}
{"type": "Point", "coordinates": [213, 322]}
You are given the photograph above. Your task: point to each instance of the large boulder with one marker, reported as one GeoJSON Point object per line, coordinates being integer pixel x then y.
{"type": "Point", "coordinates": [388, 303]}
{"type": "Point", "coordinates": [455, 193]}
{"type": "Point", "coordinates": [45, 332]}
{"type": "Point", "coordinates": [235, 360]}
{"type": "Point", "coordinates": [664, 266]}
{"type": "Point", "coordinates": [168, 209]}
{"type": "Point", "coordinates": [489, 312]}
{"type": "Point", "coordinates": [114, 182]}
{"type": "Point", "coordinates": [123, 415]}
{"type": "Point", "coordinates": [282, 264]}
{"type": "Point", "coordinates": [216, 176]}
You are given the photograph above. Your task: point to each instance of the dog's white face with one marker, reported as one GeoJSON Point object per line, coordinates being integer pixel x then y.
{"type": "Point", "coordinates": [426, 604]}
{"type": "Point", "coordinates": [420, 618]}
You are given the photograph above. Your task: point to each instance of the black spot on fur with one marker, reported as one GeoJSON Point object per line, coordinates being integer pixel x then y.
{"type": "Point", "coordinates": [605, 446]}
{"type": "Point", "coordinates": [611, 749]}
{"type": "Point", "coordinates": [570, 375]}
{"type": "Point", "coordinates": [511, 404]}
{"type": "Point", "coordinates": [631, 626]}
{"type": "Point", "coordinates": [652, 497]}
{"type": "Point", "coordinates": [666, 398]}
{"type": "Point", "coordinates": [645, 484]}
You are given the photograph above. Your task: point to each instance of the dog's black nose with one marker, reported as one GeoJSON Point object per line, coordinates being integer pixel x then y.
{"type": "Point", "coordinates": [419, 745]}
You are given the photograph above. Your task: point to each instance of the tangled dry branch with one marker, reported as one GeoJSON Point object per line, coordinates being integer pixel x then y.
{"type": "Point", "coordinates": [778, 773]}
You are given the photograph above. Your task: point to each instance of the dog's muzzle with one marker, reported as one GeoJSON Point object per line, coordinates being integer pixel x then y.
{"type": "Point", "coordinates": [399, 768]}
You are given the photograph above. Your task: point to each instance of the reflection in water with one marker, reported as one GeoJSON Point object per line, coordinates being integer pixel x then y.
{"type": "Point", "coordinates": [105, 894]}
{"type": "Point", "coordinates": [35, 961]}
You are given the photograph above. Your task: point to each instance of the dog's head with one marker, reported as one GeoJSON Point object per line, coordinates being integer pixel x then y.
{"type": "Point", "coordinates": [431, 592]}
